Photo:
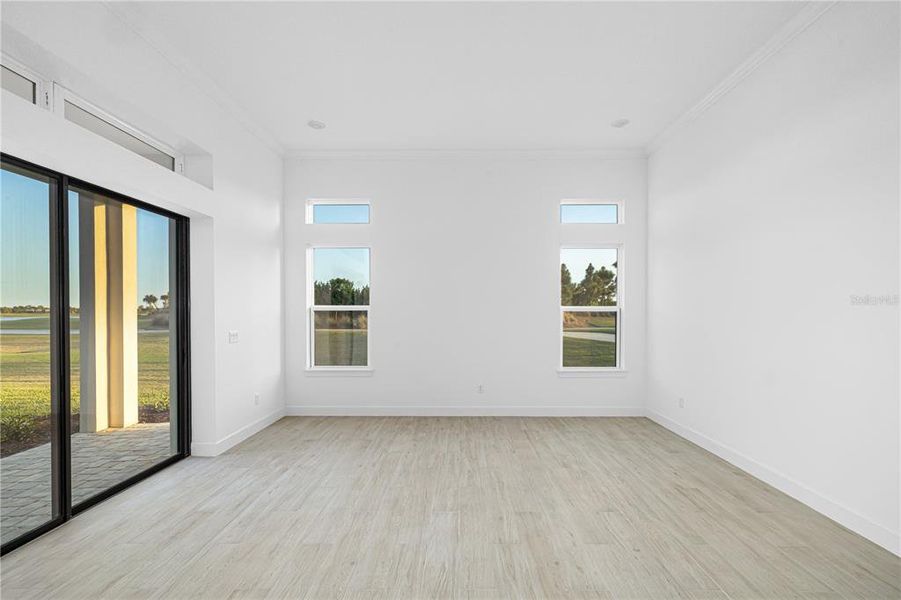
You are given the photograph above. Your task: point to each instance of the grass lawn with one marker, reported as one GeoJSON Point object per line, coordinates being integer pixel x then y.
{"type": "Point", "coordinates": [25, 376]}
{"type": "Point", "coordinates": [581, 352]}
{"type": "Point", "coordinates": [588, 353]}
{"type": "Point", "coordinates": [341, 347]}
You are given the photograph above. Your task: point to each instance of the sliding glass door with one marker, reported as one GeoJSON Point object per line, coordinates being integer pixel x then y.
{"type": "Point", "coordinates": [122, 373]}
{"type": "Point", "coordinates": [29, 398]}
{"type": "Point", "coordinates": [93, 326]}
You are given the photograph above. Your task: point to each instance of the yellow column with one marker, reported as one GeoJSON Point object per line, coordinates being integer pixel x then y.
{"type": "Point", "coordinates": [122, 249]}
{"type": "Point", "coordinates": [92, 273]}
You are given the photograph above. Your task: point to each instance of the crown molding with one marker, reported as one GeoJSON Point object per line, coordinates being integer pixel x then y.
{"type": "Point", "coordinates": [585, 154]}
{"type": "Point", "coordinates": [204, 82]}
{"type": "Point", "coordinates": [805, 17]}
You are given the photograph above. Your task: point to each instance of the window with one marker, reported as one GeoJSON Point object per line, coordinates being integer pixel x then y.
{"type": "Point", "coordinates": [335, 212]}
{"type": "Point", "coordinates": [339, 313]}
{"type": "Point", "coordinates": [21, 81]}
{"type": "Point", "coordinates": [590, 308]}
{"type": "Point", "coordinates": [96, 120]}
{"type": "Point", "coordinates": [116, 134]}
{"type": "Point", "coordinates": [19, 85]}
{"type": "Point", "coordinates": [590, 211]}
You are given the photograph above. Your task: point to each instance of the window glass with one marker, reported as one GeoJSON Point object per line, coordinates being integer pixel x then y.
{"type": "Point", "coordinates": [29, 402]}
{"type": "Point", "coordinates": [588, 277]}
{"type": "Point", "coordinates": [93, 123]}
{"type": "Point", "coordinates": [341, 276]}
{"type": "Point", "coordinates": [589, 213]}
{"type": "Point", "coordinates": [340, 338]}
{"type": "Point", "coordinates": [123, 367]}
{"type": "Point", "coordinates": [17, 84]}
{"type": "Point", "coordinates": [340, 213]}
{"type": "Point", "coordinates": [589, 339]}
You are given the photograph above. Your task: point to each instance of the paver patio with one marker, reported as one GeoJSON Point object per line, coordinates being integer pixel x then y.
{"type": "Point", "coordinates": [99, 460]}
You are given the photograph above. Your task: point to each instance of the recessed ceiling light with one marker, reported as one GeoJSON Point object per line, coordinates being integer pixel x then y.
{"type": "Point", "coordinates": [619, 123]}
{"type": "Point", "coordinates": [316, 124]}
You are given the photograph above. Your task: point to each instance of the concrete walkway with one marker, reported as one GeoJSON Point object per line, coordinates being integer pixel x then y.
{"type": "Point", "coordinates": [99, 460]}
{"type": "Point", "coordinates": [588, 335]}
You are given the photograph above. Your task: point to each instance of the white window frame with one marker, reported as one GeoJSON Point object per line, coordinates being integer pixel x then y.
{"type": "Point", "coordinates": [618, 309]}
{"type": "Point", "coordinates": [313, 308]}
{"type": "Point", "coordinates": [312, 202]}
{"type": "Point", "coordinates": [43, 87]}
{"type": "Point", "coordinates": [620, 210]}
{"type": "Point", "coordinates": [62, 95]}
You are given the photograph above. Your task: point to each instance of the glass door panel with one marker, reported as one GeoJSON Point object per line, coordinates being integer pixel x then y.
{"type": "Point", "coordinates": [122, 340]}
{"type": "Point", "coordinates": [29, 401]}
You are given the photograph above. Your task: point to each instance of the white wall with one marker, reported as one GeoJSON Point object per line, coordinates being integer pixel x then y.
{"type": "Point", "coordinates": [766, 215]}
{"type": "Point", "coordinates": [465, 283]}
{"type": "Point", "coordinates": [236, 227]}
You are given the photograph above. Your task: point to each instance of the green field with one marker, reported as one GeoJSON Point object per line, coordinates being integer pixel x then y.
{"type": "Point", "coordinates": [578, 352]}
{"type": "Point", "coordinates": [588, 353]}
{"type": "Point", "coordinates": [344, 347]}
{"type": "Point", "coordinates": [25, 376]}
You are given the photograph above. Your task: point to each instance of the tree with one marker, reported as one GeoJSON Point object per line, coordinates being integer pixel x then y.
{"type": "Point", "coordinates": [339, 292]}
{"type": "Point", "coordinates": [165, 299]}
{"type": "Point", "coordinates": [150, 300]}
{"type": "Point", "coordinates": [566, 286]}
{"type": "Point", "coordinates": [604, 287]}
{"type": "Point", "coordinates": [597, 288]}
{"type": "Point", "coordinates": [582, 295]}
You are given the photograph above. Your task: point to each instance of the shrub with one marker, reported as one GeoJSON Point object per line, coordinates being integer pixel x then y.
{"type": "Point", "coordinates": [16, 428]}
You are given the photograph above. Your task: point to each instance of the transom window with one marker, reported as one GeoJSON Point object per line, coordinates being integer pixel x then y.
{"type": "Point", "coordinates": [590, 308]}
{"type": "Point", "coordinates": [591, 211]}
{"type": "Point", "coordinates": [338, 212]}
{"type": "Point", "coordinates": [91, 118]}
{"type": "Point", "coordinates": [18, 84]}
{"type": "Point", "coordinates": [339, 313]}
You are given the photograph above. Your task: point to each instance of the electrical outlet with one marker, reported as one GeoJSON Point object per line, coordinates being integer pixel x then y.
{"type": "Point", "coordinates": [256, 399]}
{"type": "Point", "coordinates": [681, 402]}
{"type": "Point", "coordinates": [233, 336]}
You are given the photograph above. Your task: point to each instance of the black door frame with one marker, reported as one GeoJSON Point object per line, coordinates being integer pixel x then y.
{"type": "Point", "coordinates": [60, 399]}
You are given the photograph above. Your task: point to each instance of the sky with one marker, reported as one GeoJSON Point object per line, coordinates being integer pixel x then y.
{"type": "Point", "coordinates": [349, 263]}
{"type": "Point", "coordinates": [340, 213]}
{"type": "Point", "coordinates": [25, 245]}
{"type": "Point", "coordinates": [588, 213]}
{"type": "Point", "coordinates": [577, 259]}
{"type": "Point", "coordinates": [24, 240]}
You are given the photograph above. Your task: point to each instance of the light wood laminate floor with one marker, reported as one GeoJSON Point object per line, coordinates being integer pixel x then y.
{"type": "Point", "coordinates": [453, 507]}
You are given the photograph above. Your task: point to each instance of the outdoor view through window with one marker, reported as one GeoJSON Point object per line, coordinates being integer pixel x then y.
{"type": "Point", "coordinates": [122, 378]}
{"type": "Point", "coordinates": [340, 312]}
{"type": "Point", "coordinates": [589, 307]}
{"type": "Point", "coordinates": [27, 416]}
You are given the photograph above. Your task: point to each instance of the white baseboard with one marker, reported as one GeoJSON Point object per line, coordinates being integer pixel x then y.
{"type": "Point", "coordinates": [465, 411]}
{"type": "Point", "coordinates": [235, 438]}
{"type": "Point", "coordinates": [844, 516]}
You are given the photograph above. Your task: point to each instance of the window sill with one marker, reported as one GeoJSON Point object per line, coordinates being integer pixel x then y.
{"type": "Point", "coordinates": [584, 372]}
{"type": "Point", "coordinates": [339, 372]}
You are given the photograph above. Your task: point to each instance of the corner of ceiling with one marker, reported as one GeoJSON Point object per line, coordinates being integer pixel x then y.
{"type": "Point", "coordinates": [204, 82]}
{"type": "Point", "coordinates": [803, 19]}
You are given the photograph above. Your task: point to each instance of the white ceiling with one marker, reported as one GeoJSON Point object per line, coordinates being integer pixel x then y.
{"type": "Point", "coordinates": [473, 76]}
